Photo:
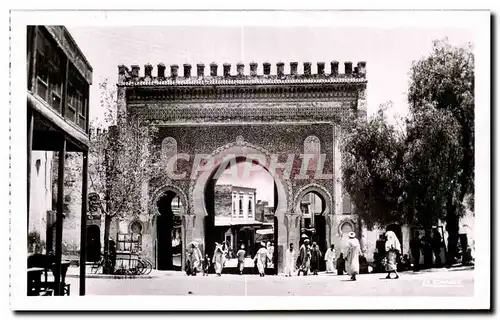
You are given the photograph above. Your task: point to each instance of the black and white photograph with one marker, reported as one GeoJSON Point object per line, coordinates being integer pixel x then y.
{"type": "Point", "coordinates": [250, 160]}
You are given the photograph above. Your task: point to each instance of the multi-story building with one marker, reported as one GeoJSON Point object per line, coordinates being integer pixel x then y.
{"type": "Point", "coordinates": [235, 216]}
{"type": "Point", "coordinates": [58, 77]}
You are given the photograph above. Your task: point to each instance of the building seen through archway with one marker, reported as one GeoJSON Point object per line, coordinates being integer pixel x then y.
{"type": "Point", "coordinates": [240, 204]}
{"type": "Point", "coordinates": [169, 232]}
{"type": "Point", "coordinates": [313, 224]}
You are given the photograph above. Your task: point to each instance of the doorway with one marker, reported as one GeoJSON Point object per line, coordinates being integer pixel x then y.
{"type": "Point", "coordinates": [93, 243]}
{"type": "Point", "coordinates": [169, 232]}
{"type": "Point", "coordinates": [313, 222]}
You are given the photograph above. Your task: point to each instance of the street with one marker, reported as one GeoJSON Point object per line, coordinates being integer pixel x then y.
{"type": "Point", "coordinates": [441, 282]}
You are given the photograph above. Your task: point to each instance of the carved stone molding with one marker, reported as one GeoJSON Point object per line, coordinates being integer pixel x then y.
{"type": "Point", "coordinates": [240, 142]}
{"type": "Point", "coordinates": [344, 221]}
{"type": "Point", "coordinates": [282, 92]}
{"type": "Point", "coordinates": [320, 111]}
{"type": "Point", "coordinates": [159, 191]}
{"type": "Point", "coordinates": [322, 191]}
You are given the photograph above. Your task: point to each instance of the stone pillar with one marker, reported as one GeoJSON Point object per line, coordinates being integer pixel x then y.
{"type": "Point", "coordinates": [362, 68]}
{"type": "Point", "coordinates": [213, 69]}
{"type": "Point", "coordinates": [253, 69]}
{"type": "Point", "coordinates": [135, 72]}
{"type": "Point", "coordinates": [280, 69]}
{"type": "Point", "coordinates": [337, 196]}
{"type": "Point", "coordinates": [267, 68]}
{"type": "Point", "coordinates": [293, 227]}
{"type": "Point", "coordinates": [293, 68]}
{"type": "Point", "coordinates": [227, 69]}
{"type": "Point", "coordinates": [188, 222]}
{"type": "Point", "coordinates": [321, 68]}
{"type": "Point", "coordinates": [187, 70]}
{"type": "Point", "coordinates": [200, 70]}
{"type": "Point", "coordinates": [348, 67]}
{"type": "Point", "coordinates": [239, 69]}
{"type": "Point", "coordinates": [161, 70]}
{"type": "Point", "coordinates": [334, 68]}
{"type": "Point", "coordinates": [123, 73]}
{"type": "Point", "coordinates": [174, 71]}
{"type": "Point", "coordinates": [307, 68]}
{"type": "Point", "coordinates": [148, 69]}
{"type": "Point", "coordinates": [331, 231]}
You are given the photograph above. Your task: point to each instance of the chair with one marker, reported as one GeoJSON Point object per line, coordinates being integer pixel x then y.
{"type": "Point", "coordinates": [47, 262]}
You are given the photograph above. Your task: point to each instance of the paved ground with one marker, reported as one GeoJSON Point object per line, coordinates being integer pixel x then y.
{"type": "Point", "coordinates": [436, 283]}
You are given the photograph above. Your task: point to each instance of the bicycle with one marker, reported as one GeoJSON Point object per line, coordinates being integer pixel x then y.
{"type": "Point", "coordinates": [145, 264]}
{"type": "Point", "coordinates": [97, 265]}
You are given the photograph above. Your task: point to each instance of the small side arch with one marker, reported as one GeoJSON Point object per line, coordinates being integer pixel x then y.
{"type": "Point", "coordinates": [160, 191]}
{"type": "Point", "coordinates": [318, 189]}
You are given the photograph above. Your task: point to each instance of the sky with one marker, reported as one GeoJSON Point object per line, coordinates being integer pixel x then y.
{"type": "Point", "coordinates": [389, 53]}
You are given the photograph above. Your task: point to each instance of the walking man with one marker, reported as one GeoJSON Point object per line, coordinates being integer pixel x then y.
{"type": "Point", "coordinates": [304, 259]}
{"type": "Point", "coordinates": [261, 259]}
{"type": "Point", "coordinates": [241, 258]}
{"type": "Point", "coordinates": [353, 253]}
{"type": "Point", "coordinates": [315, 258]}
{"type": "Point", "coordinates": [329, 259]}
{"type": "Point", "coordinates": [415, 247]}
{"type": "Point", "coordinates": [290, 261]}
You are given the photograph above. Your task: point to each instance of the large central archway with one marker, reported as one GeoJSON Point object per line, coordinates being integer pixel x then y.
{"type": "Point", "coordinates": [203, 205]}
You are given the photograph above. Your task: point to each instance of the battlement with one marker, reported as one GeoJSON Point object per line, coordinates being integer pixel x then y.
{"type": "Point", "coordinates": [239, 75]}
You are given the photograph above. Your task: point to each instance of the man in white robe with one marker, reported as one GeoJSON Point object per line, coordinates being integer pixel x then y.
{"type": "Point", "coordinates": [329, 259]}
{"type": "Point", "coordinates": [290, 256]}
{"type": "Point", "coordinates": [352, 257]}
{"type": "Point", "coordinates": [261, 259]}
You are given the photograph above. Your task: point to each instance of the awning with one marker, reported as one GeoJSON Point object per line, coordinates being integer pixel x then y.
{"type": "Point", "coordinates": [229, 221]}
{"type": "Point", "coordinates": [265, 231]}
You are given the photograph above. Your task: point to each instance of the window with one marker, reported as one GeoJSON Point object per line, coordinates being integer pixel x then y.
{"type": "Point", "coordinates": [48, 72]}
{"type": "Point", "coordinates": [241, 206]}
{"type": "Point", "coordinates": [234, 205]}
{"type": "Point", "coordinates": [250, 208]}
{"type": "Point", "coordinates": [312, 146]}
{"type": "Point", "coordinates": [76, 109]}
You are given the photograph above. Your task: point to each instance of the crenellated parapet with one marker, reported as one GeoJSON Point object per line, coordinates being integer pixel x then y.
{"type": "Point", "coordinates": [242, 74]}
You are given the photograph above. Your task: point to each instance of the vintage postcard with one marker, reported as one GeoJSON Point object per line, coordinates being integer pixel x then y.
{"type": "Point", "coordinates": [298, 159]}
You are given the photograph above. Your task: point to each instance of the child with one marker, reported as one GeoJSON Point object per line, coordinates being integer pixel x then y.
{"type": "Point", "coordinates": [340, 265]}
{"type": "Point", "coordinates": [206, 265]}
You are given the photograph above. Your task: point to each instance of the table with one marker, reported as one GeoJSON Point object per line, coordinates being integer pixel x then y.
{"type": "Point", "coordinates": [65, 288]}
{"type": "Point", "coordinates": [34, 281]}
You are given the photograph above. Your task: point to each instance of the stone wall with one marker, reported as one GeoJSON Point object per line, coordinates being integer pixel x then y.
{"type": "Point", "coordinates": [43, 198]}
{"type": "Point", "coordinates": [40, 199]}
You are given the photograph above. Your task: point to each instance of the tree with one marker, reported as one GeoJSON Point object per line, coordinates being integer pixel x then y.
{"type": "Point", "coordinates": [373, 169]}
{"type": "Point", "coordinates": [401, 175]}
{"type": "Point", "coordinates": [445, 81]}
{"type": "Point", "coordinates": [432, 165]}
{"type": "Point", "coordinates": [120, 161]}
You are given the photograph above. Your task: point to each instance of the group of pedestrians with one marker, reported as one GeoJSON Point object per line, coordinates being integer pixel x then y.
{"type": "Point", "coordinates": [195, 262]}
{"type": "Point", "coordinates": [309, 257]}
{"type": "Point", "coordinates": [429, 246]}
{"type": "Point", "coordinates": [306, 262]}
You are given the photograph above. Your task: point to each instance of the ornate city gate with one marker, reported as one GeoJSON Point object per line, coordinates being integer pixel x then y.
{"type": "Point", "coordinates": [280, 118]}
